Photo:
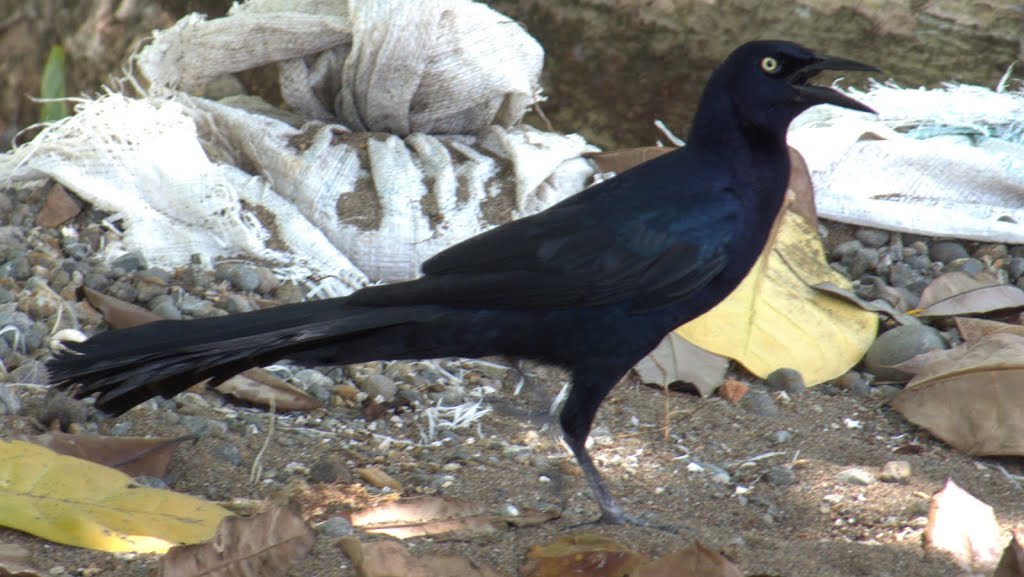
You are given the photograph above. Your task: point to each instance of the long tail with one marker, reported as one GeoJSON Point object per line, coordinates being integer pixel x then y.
{"type": "Point", "coordinates": [127, 367]}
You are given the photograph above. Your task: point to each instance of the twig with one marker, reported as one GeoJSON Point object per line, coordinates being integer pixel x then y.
{"type": "Point", "coordinates": [257, 464]}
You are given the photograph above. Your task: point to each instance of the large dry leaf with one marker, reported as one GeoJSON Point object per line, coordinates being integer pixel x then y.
{"type": "Point", "coordinates": [119, 314]}
{"type": "Point", "coordinates": [16, 561]}
{"type": "Point", "coordinates": [676, 359]}
{"type": "Point", "coordinates": [952, 284]}
{"type": "Point", "coordinates": [695, 560]}
{"type": "Point", "coordinates": [265, 545]}
{"type": "Point", "coordinates": [581, 554]}
{"type": "Point", "coordinates": [973, 330]}
{"type": "Point", "coordinates": [875, 306]}
{"type": "Point", "coordinates": [80, 503]}
{"type": "Point", "coordinates": [958, 293]}
{"type": "Point", "coordinates": [964, 528]}
{"type": "Point", "coordinates": [440, 517]}
{"type": "Point", "coordinates": [391, 559]}
{"type": "Point", "coordinates": [973, 398]}
{"type": "Point", "coordinates": [775, 319]}
{"type": "Point", "coordinates": [133, 456]}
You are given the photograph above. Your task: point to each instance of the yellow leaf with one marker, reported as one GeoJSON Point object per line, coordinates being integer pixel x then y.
{"type": "Point", "coordinates": [76, 502]}
{"type": "Point", "coordinates": [774, 319]}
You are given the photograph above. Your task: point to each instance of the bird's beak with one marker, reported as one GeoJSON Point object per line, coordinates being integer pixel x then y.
{"type": "Point", "coordinates": [823, 94]}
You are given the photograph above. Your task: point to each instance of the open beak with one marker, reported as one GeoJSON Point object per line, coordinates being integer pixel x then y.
{"type": "Point", "coordinates": [823, 94]}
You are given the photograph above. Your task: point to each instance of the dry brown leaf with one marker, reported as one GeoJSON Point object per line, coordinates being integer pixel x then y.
{"type": "Point", "coordinates": [378, 478]}
{"type": "Point", "coordinates": [973, 330]}
{"type": "Point", "coordinates": [971, 399]}
{"type": "Point", "coordinates": [676, 359]}
{"type": "Point", "coordinates": [964, 528]}
{"type": "Point", "coordinates": [958, 293]}
{"type": "Point", "coordinates": [622, 160]}
{"type": "Point", "coordinates": [262, 546]}
{"type": "Point", "coordinates": [694, 560]}
{"type": "Point", "coordinates": [391, 559]}
{"type": "Point", "coordinates": [1012, 562]}
{"type": "Point", "coordinates": [16, 561]}
{"type": "Point", "coordinates": [119, 314]}
{"type": "Point", "coordinates": [58, 208]}
{"type": "Point", "coordinates": [920, 363]}
{"type": "Point", "coordinates": [133, 456]}
{"type": "Point", "coordinates": [440, 517]}
{"type": "Point", "coordinates": [261, 387]}
{"type": "Point", "coordinates": [581, 554]}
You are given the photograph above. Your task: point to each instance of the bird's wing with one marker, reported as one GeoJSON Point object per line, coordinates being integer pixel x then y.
{"type": "Point", "coordinates": [596, 248]}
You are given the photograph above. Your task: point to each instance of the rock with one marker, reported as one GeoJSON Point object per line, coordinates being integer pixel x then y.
{"type": "Point", "coordinates": [96, 281]}
{"type": "Point", "coordinates": [335, 527]}
{"type": "Point", "coordinates": [1015, 267]}
{"type": "Point", "coordinates": [861, 261]}
{"type": "Point", "coordinates": [166, 309]}
{"type": "Point", "coordinates": [268, 280]}
{"type": "Point", "coordinates": [379, 384]}
{"type": "Point", "coordinates": [993, 252]}
{"type": "Point", "coordinates": [781, 436]}
{"type": "Point", "coordinates": [330, 469]}
{"type": "Point", "coordinates": [32, 372]}
{"type": "Point", "coordinates": [315, 383]}
{"type": "Point", "coordinates": [229, 453]}
{"type": "Point", "coordinates": [919, 262]}
{"type": "Point", "coordinates": [243, 277]}
{"type": "Point", "coordinates": [130, 262]}
{"type": "Point", "coordinates": [788, 380]}
{"type": "Point", "coordinates": [872, 238]}
{"type": "Point", "coordinates": [17, 267]}
{"type": "Point", "coordinates": [289, 292]}
{"type": "Point", "coordinates": [9, 402]}
{"type": "Point", "coordinates": [856, 476]}
{"type": "Point", "coordinates": [902, 275]}
{"type": "Point", "coordinates": [780, 476]}
{"type": "Point", "coordinates": [234, 304]}
{"type": "Point", "coordinates": [898, 345]}
{"type": "Point", "coordinates": [947, 251]}
{"type": "Point", "coordinates": [760, 403]}
{"type": "Point", "coordinates": [895, 472]}
{"type": "Point", "coordinates": [854, 383]}
{"type": "Point", "coordinates": [121, 429]}
{"type": "Point", "coordinates": [971, 266]}
{"type": "Point", "coordinates": [846, 249]}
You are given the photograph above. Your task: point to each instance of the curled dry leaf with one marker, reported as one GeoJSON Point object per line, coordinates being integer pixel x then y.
{"type": "Point", "coordinates": [973, 330]}
{"type": "Point", "coordinates": [958, 293]}
{"type": "Point", "coordinates": [971, 399]}
{"type": "Point", "coordinates": [133, 456]}
{"type": "Point", "coordinates": [261, 546]}
{"type": "Point", "coordinates": [440, 517]}
{"type": "Point", "coordinates": [378, 478]}
{"type": "Point", "coordinates": [676, 359]}
{"type": "Point", "coordinates": [965, 528]}
{"type": "Point", "coordinates": [16, 561]}
{"type": "Point", "coordinates": [391, 559]}
{"type": "Point", "coordinates": [119, 314]}
{"type": "Point", "coordinates": [695, 560]}
{"type": "Point", "coordinates": [58, 208]}
{"type": "Point", "coordinates": [263, 388]}
{"type": "Point", "coordinates": [581, 554]}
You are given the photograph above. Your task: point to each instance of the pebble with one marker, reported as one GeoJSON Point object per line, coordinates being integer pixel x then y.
{"type": "Point", "coordinates": [315, 383]}
{"type": "Point", "coordinates": [854, 383]}
{"type": "Point", "coordinates": [760, 403]}
{"type": "Point", "coordinates": [946, 251]}
{"type": "Point", "coordinates": [895, 472]}
{"type": "Point", "coordinates": [166, 309]}
{"type": "Point", "coordinates": [780, 476]}
{"type": "Point", "coordinates": [861, 261]}
{"type": "Point", "coordinates": [32, 372]}
{"type": "Point", "coordinates": [971, 266]}
{"type": "Point", "coordinates": [242, 276]}
{"type": "Point", "coordinates": [336, 527]}
{"type": "Point", "coordinates": [289, 292]}
{"type": "Point", "coordinates": [330, 470]}
{"type": "Point", "coordinates": [902, 275]}
{"type": "Point", "coordinates": [1015, 267]}
{"type": "Point", "coordinates": [856, 476]}
{"type": "Point", "coordinates": [871, 237]}
{"type": "Point", "coordinates": [898, 345]}
{"type": "Point", "coordinates": [129, 262]}
{"type": "Point", "coordinates": [9, 402]}
{"type": "Point", "coordinates": [151, 482]}
{"type": "Point", "coordinates": [202, 426]}
{"type": "Point", "coordinates": [379, 384]}
{"type": "Point", "coordinates": [788, 380]}
{"type": "Point", "coordinates": [780, 437]}
{"type": "Point", "coordinates": [121, 428]}
{"type": "Point", "coordinates": [847, 248]}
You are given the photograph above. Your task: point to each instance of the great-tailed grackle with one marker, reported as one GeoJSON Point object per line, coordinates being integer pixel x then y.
{"type": "Point", "coordinates": [591, 284]}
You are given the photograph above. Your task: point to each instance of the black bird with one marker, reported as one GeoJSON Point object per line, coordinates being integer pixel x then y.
{"type": "Point", "coordinates": [591, 284]}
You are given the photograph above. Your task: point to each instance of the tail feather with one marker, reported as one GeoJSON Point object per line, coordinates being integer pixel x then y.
{"type": "Point", "coordinates": [127, 367]}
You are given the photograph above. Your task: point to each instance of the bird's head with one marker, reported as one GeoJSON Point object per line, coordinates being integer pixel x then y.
{"type": "Point", "coordinates": [769, 82]}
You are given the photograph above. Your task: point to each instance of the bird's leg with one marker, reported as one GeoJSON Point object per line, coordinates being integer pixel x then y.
{"type": "Point", "coordinates": [610, 510]}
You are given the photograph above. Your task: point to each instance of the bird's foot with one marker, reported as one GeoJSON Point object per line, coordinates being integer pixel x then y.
{"type": "Point", "coordinates": [648, 521]}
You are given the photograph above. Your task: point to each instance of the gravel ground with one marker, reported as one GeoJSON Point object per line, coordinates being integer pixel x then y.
{"type": "Point", "coordinates": [785, 484]}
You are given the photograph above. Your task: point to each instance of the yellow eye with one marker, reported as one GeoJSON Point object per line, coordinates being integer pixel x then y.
{"type": "Point", "coordinates": [770, 65]}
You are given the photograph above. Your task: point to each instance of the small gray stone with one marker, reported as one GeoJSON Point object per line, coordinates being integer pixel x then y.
{"type": "Point", "coordinates": [788, 380]}
{"type": "Point", "coordinates": [1015, 267]}
{"type": "Point", "coordinates": [946, 251]}
{"type": "Point", "coordinates": [96, 281]}
{"type": "Point", "coordinates": [168, 310]}
{"type": "Point", "coordinates": [861, 261]}
{"type": "Point", "coordinates": [151, 482]}
{"type": "Point", "coordinates": [856, 476]}
{"type": "Point", "coordinates": [315, 383]}
{"type": "Point", "coordinates": [781, 436]}
{"type": "Point", "coordinates": [971, 266]}
{"type": "Point", "coordinates": [846, 248]}
{"type": "Point", "coordinates": [336, 527]}
{"type": "Point", "coordinates": [919, 262]}
{"type": "Point", "coordinates": [229, 453]}
{"type": "Point", "coordinates": [6, 296]}
{"type": "Point", "coordinates": [779, 476]}
{"type": "Point", "coordinates": [330, 470]}
{"type": "Point", "coordinates": [155, 275]}
{"type": "Point", "coordinates": [123, 290]}
{"type": "Point", "coordinates": [993, 252]}
{"type": "Point", "coordinates": [234, 304]}
{"type": "Point", "coordinates": [902, 274]}
{"type": "Point", "coordinates": [854, 383]}
{"type": "Point", "coordinates": [895, 472]}
{"type": "Point", "coordinates": [121, 428]}
{"type": "Point", "coordinates": [760, 403]}
{"type": "Point", "coordinates": [130, 262]}
{"type": "Point", "coordinates": [243, 277]}
{"type": "Point", "coordinates": [203, 427]}
{"type": "Point", "coordinates": [9, 402]}
{"type": "Point", "coordinates": [17, 268]}
{"type": "Point", "coordinates": [32, 372]}
{"type": "Point", "coordinates": [268, 280]}
{"type": "Point", "coordinates": [77, 250]}
{"type": "Point", "coordinates": [379, 384]}
{"type": "Point", "coordinates": [872, 237]}
{"type": "Point", "coordinates": [898, 345]}
{"type": "Point", "coordinates": [289, 292]}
